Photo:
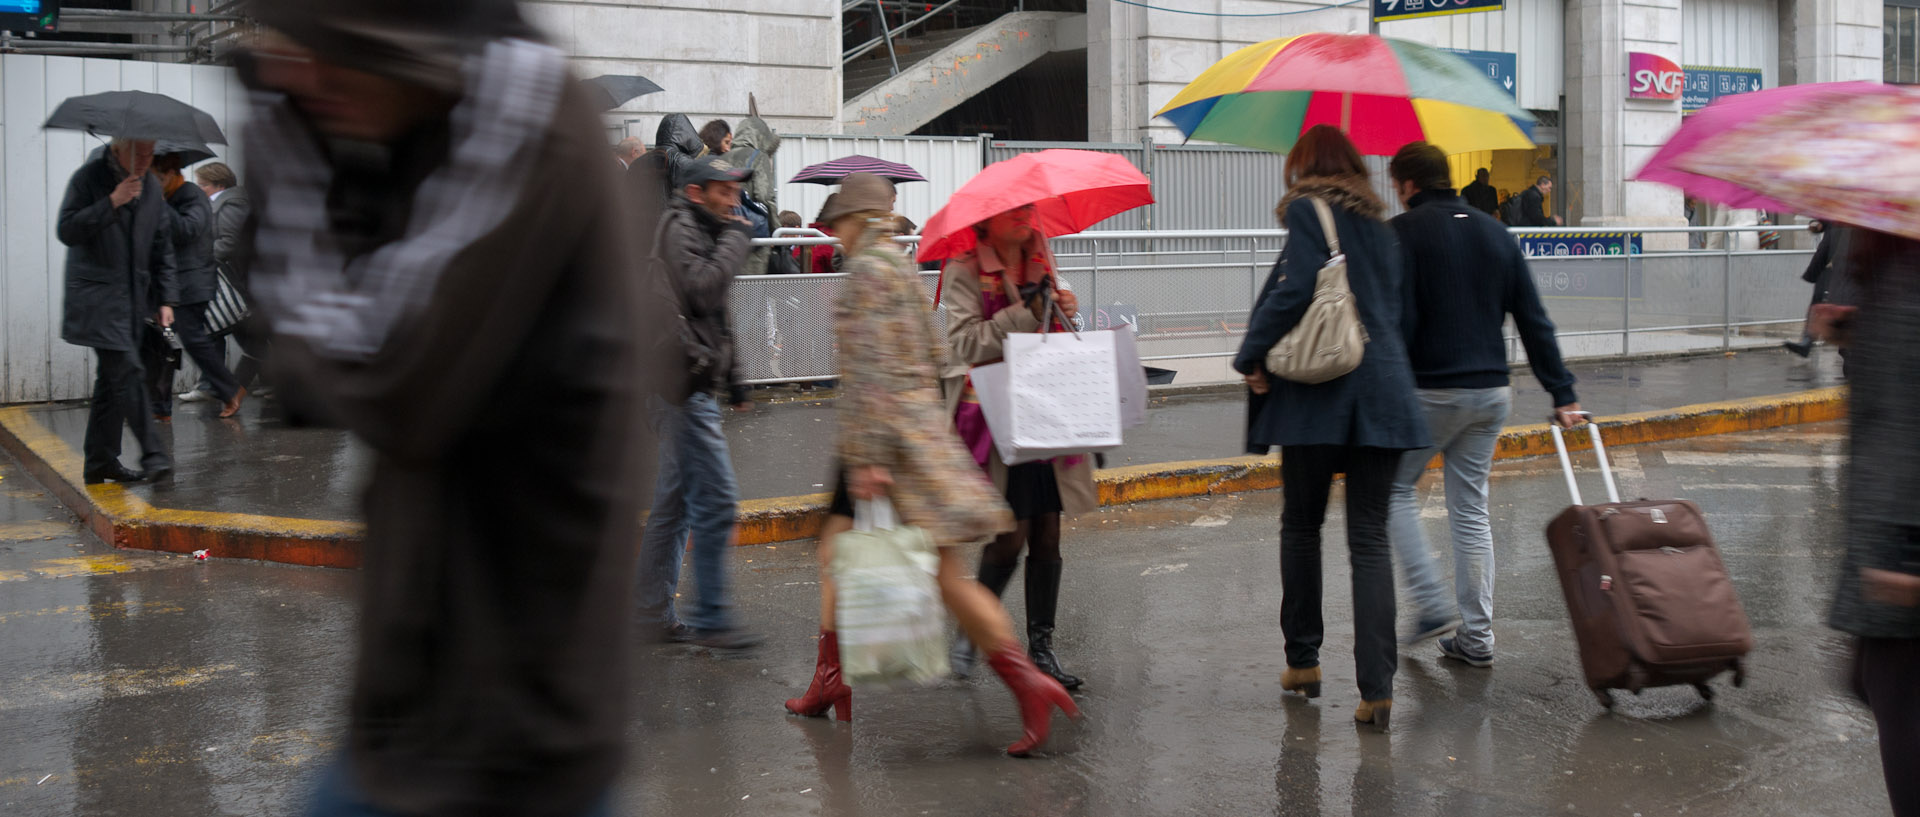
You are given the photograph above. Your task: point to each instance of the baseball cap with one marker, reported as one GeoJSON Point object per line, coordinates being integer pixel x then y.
{"type": "Point", "coordinates": [706, 169]}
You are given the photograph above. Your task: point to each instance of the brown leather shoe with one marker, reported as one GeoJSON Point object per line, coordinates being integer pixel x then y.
{"type": "Point", "coordinates": [232, 407]}
{"type": "Point", "coordinates": [1377, 713]}
{"type": "Point", "coordinates": [1305, 681]}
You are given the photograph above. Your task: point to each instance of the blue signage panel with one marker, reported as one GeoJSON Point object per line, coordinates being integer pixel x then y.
{"type": "Point", "coordinates": [1384, 10]}
{"type": "Point", "coordinates": [1499, 66]}
{"type": "Point", "coordinates": [1579, 280]}
{"type": "Point", "coordinates": [1706, 84]}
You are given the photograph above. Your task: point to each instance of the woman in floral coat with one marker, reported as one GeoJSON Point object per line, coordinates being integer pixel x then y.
{"type": "Point", "coordinates": [896, 442]}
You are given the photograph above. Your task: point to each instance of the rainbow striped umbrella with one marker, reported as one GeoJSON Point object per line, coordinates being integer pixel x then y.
{"type": "Point", "coordinates": [1382, 92]}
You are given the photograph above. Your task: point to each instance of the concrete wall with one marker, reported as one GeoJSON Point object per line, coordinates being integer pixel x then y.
{"type": "Point", "coordinates": [1831, 40]}
{"type": "Point", "coordinates": [785, 52]}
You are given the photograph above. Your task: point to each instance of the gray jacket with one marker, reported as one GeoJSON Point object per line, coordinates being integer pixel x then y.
{"type": "Point", "coordinates": [119, 260]}
{"type": "Point", "coordinates": [1883, 469]}
{"type": "Point", "coordinates": [230, 212]}
{"type": "Point", "coordinates": [191, 220]}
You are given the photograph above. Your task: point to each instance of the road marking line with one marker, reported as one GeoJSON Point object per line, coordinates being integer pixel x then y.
{"type": "Point", "coordinates": [1740, 459]}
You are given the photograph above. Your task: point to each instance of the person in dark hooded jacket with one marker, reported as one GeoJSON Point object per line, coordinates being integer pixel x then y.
{"type": "Point", "coordinates": [114, 221]}
{"type": "Point", "coordinates": [675, 143]}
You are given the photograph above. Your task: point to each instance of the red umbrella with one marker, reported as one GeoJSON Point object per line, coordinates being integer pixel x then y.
{"type": "Point", "coordinates": [1071, 190]}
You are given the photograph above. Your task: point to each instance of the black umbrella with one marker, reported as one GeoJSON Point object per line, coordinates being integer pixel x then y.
{"type": "Point", "coordinates": [611, 91]}
{"type": "Point", "coordinates": [190, 153]}
{"type": "Point", "coordinates": [137, 115]}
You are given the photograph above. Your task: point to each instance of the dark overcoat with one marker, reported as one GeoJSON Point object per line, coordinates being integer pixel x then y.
{"type": "Point", "coordinates": [1373, 406]}
{"type": "Point", "coordinates": [191, 219]}
{"type": "Point", "coordinates": [119, 260]}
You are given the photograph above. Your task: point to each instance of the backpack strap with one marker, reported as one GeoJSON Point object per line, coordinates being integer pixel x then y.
{"type": "Point", "coordinates": [1327, 226]}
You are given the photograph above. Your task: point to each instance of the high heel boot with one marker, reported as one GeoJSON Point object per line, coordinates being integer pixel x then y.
{"type": "Point", "coordinates": [995, 577]}
{"type": "Point", "coordinates": [1036, 693]}
{"type": "Point", "coordinates": [1043, 599]}
{"type": "Point", "coordinates": [827, 690]}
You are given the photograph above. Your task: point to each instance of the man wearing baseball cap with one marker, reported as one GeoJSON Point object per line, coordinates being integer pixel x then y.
{"type": "Point", "coordinates": [704, 245]}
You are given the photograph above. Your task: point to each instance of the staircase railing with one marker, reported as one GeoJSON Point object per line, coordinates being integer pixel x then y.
{"type": "Point", "coordinates": [888, 34]}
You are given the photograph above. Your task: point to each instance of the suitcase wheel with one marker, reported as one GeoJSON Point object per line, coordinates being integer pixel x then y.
{"type": "Point", "coordinates": [1606, 698]}
{"type": "Point", "coordinates": [1706, 692]}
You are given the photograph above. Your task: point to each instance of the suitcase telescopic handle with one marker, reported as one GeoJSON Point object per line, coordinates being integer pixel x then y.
{"type": "Point", "coordinates": [1599, 449]}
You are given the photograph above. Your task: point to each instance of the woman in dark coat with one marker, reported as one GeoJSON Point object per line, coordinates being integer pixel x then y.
{"type": "Point", "coordinates": [190, 217]}
{"type": "Point", "coordinates": [1357, 425]}
{"type": "Point", "coordinates": [1877, 299]}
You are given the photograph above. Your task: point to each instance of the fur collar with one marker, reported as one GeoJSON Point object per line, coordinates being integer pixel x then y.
{"type": "Point", "coordinates": [1351, 193]}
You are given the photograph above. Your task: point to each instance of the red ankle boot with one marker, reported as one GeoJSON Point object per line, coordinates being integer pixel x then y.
{"type": "Point", "coordinates": [1037, 694]}
{"type": "Point", "coordinates": [827, 689]}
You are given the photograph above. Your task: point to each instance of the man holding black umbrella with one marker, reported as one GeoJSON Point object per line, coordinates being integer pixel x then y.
{"type": "Point", "coordinates": [114, 221]}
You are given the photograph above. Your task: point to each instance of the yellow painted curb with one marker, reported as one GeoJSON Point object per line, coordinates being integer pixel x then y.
{"type": "Point", "coordinates": [118, 516]}
{"type": "Point", "coordinates": [126, 520]}
{"type": "Point", "coordinates": [776, 520]}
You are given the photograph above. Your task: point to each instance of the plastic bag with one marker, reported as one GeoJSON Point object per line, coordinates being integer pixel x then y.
{"type": "Point", "coordinates": [888, 613]}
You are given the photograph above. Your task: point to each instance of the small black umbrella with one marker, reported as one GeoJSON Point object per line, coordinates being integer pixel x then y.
{"type": "Point", "coordinates": [611, 91]}
{"type": "Point", "coordinates": [190, 153]}
{"type": "Point", "coordinates": [136, 115]}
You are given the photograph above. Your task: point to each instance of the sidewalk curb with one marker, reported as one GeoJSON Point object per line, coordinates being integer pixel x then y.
{"type": "Point", "coordinates": [118, 516]}
{"type": "Point", "coordinates": [126, 520]}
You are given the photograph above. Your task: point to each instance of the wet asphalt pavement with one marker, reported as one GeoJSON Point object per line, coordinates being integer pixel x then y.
{"type": "Point", "coordinates": [258, 465]}
{"type": "Point", "coordinates": [151, 685]}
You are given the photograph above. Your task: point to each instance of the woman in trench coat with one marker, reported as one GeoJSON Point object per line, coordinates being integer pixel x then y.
{"type": "Point", "coordinates": [990, 291]}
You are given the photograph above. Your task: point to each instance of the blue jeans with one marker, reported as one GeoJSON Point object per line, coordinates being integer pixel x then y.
{"type": "Point", "coordinates": [1465, 425]}
{"type": "Point", "coordinates": [695, 493]}
{"type": "Point", "coordinates": [337, 796]}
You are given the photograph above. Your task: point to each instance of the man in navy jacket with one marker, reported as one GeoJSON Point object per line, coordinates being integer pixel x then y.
{"type": "Point", "coordinates": [1464, 275]}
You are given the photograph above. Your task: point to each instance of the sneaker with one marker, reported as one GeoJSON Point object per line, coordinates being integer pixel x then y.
{"type": "Point", "coordinates": [1802, 349]}
{"type": "Point", "coordinates": [198, 396]}
{"type": "Point", "coordinates": [1448, 649]}
{"type": "Point", "coordinates": [675, 633]}
{"type": "Point", "coordinates": [1429, 628]}
{"type": "Point", "coordinates": [731, 638]}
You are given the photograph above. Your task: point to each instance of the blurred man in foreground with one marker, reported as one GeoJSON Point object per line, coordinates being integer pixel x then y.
{"type": "Point", "coordinates": [446, 264]}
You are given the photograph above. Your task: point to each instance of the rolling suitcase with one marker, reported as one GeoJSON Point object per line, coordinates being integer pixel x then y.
{"type": "Point", "coordinates": [1652, 604]}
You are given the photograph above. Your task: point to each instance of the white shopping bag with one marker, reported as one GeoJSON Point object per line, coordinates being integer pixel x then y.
{"type": "Point", "coordinates": [887, 607]}
{"type": "Point", "coordinates": [1063, 393]}
{"type": "Point", "coordinates": [1132, 377]}
{"type": "Point", "coordinates": [991, 388]}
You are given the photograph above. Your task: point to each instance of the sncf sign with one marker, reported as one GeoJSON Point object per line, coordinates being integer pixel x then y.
{"type": "Point", "coordinates": [1651, 76]}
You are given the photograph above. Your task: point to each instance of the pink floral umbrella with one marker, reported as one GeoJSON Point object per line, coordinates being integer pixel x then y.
{"type": "Point", "coordinates": [1848, 152]}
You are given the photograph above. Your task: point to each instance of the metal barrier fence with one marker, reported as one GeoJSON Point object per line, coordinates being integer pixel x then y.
{"type": "Point", "coordinates": [1626, 292]}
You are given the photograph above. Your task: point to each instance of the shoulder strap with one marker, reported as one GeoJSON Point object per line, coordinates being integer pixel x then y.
{"type": "Point", "coordinates": [1327, 226]}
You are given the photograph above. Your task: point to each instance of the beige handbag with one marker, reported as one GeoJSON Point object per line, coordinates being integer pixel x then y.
{"type": "Point", "coordinates": [1330, 339]}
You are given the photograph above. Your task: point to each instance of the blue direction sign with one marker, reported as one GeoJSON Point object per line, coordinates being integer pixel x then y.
{"type": "Point", "coordinates": [1707, 83]}
{"type": "Point", "coordinates": [1499, 66]}
{"type": "Point", "coordinates": [1384, 10]}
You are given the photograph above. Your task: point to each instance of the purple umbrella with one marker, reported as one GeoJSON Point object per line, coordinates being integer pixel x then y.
{"type": "Point", "coordinates": [833, 172]}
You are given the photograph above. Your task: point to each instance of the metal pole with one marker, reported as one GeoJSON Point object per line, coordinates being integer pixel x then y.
{"type": "Point", "coordinates": [1726, 292]}
{"type": "Point", "coordinates": [887, 34]}
{"type": "Point", "coordinates": [1093, 282]}
{"type": "Point", "coordinates": [1626, 296]}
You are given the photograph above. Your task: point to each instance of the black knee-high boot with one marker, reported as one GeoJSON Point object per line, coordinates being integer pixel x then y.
{"type": "Point", "coordinates": [995, 576]}
{"type": "Point", "coordinates": [1043, 598]}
